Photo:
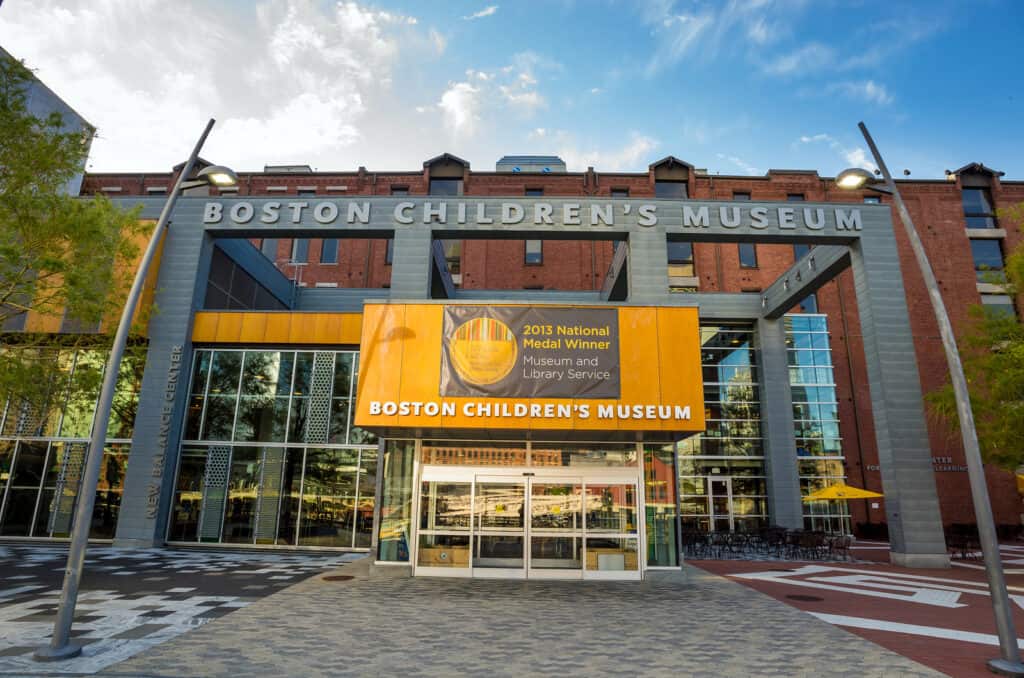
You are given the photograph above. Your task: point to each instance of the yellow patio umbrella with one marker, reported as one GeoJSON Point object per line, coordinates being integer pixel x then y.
{"type": "Point", "coordinates": [840, 491]}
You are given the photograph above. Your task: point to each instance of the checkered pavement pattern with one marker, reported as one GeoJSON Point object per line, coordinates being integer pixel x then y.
{"type": "Point", "coordinates": [132, 600]}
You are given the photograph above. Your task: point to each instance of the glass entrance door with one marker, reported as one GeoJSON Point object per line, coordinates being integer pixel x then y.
{"type": "Point", "coordinates": [720, 504]}
{"type": "Point", "coordinates": [556, 528]}
{"type": "Point", "coordinates": [519, 525]}
{"type": "Point", "coordinates": [499, 525]}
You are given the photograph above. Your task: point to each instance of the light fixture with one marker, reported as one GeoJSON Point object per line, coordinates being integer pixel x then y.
{"type": "Point", "coordinates": [218, 175]}
{"type": "Point", "coordinates": [854, 178]}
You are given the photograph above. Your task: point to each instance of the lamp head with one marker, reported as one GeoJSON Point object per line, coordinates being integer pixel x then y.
{"type": "Point", "coordinates": [854, 178]}
{"type": "Point", "coordinates": [218, 175]}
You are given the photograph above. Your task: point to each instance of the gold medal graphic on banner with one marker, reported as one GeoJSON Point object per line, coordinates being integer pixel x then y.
{"type": "Point", "coordinates": [483, 351]}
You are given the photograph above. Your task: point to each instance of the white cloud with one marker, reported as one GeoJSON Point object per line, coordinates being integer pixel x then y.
{"type": "Point", "coordinates": [714, 29]}
{"type": "Point", "coordinates": [440, 42]}
{"type": "Point", "coordinates": [596, 90]}
{"type": "Point", "coordinates": [486, 11]}
{"type": "Point", "coordinates": [460, 104]}
{"type": "Point", "coordinates": [742, 164]}
{"type": "Point", "coordinates": [469, 104]}
{"type": "Point", "coordinates": [856, 157]}
{"type": "Point", "coordinates": [807, 59]}
{"type": "Point", "coordinates": [635, 154]}
{"type": "Point", "coordinates": [759, 32]}
{"type": "Point", "coordinates": [675, 36]}
{"type": "Point", "coordinates": [286, 80]}
{"type": "Point", "coordinates": [868, 90]}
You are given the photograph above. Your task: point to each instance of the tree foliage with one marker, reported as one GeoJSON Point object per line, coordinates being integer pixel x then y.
{"type": "Point", "coordinates": [992, 352]}
{"type": "Point", "coordinates": [57, 251]}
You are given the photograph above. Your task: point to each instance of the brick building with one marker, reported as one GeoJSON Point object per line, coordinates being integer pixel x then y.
{"type": "Point", "coordinates": [955, 217]}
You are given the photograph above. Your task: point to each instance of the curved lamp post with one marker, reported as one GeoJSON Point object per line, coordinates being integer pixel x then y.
{"type": "Point", "coordinates": [60, 646]}
{"type": "Point", "coordinates": [1009, 663]}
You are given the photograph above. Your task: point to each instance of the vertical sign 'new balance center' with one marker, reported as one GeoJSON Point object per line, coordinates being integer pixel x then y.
{"type": "Point", "coordinates": [453, 366]}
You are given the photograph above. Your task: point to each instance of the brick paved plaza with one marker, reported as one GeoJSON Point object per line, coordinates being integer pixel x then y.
{"type": "Point", "coordinates": [175, 612]}
{"type": "Point", "coordinates": [690, 623]}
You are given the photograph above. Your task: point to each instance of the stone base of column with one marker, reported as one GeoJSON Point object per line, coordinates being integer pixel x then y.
{"type": "Point", "coordinates": [933, 561]}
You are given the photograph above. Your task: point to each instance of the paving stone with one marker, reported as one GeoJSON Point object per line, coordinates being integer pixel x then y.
{"type": "Point", "coordinates": [689, 623]}
{"type": "Point", "coordinates": [140, 631]}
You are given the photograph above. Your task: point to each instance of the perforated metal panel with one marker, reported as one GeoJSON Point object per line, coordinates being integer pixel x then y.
{"type": "Point", "coordinates": [215, 487]}
{"type": "Point", "coordinates": [269, 495]}
{"type": "Point", "coordinates": [322, 380]}
{"type": "Point", "coordinates": [23, 419]}
{"type": "Point", "coordinates": [63, 509]}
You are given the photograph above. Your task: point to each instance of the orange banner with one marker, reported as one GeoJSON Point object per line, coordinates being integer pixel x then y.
{"type": "Point", "coordinates": [658, 372]}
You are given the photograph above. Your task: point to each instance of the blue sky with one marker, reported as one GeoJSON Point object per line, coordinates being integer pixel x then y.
{"type": "Point", "coordinates": [735, 86]}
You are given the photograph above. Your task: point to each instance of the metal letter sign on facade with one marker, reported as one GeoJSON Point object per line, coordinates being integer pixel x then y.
{"type": "Point", "coordinates": [496, 214]}
{"type": "Point", "coordinates": [530, 352]}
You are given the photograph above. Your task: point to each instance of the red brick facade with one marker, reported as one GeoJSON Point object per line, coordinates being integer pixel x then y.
{"type": "Point", "coordinates": [581, 265]}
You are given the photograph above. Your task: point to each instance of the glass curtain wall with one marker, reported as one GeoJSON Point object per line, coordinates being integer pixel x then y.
{"type": "Point", "coordinates": [816, 420]}
{"type": "Point", "coordinates": [270, 454]}
{"type": "Point", "coordinates": [43, 447]}
{"type": "Point", "coordinates": [660, 477]}
{"type": "Point", "coordinates": [721, 471]}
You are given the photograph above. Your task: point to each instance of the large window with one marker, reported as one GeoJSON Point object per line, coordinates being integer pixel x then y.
{"type": "Point", "coordinates": [274, 397]}
{"type": "Point", "coordinates": [43, 449]}
{"type": "Point", "coordinates": [660, 477]}
{"type": "Point", "coordinates": [988, 260]}
{"type": "Point", "coordinates": [816, 420]}
{"type": "Point", "coordinates": [721, 471]}
{"type": "Point", "coordinates": [231, 287]}
{"type": "Point", "coordinates": [270, 452]}
{"type": "Point", "coordinates": [978, 212]}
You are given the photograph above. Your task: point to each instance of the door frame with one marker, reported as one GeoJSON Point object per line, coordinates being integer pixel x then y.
{"type": "Point", "coordinates": [731, 515]}
{"type": "Point", "coordinates": [628, 475]}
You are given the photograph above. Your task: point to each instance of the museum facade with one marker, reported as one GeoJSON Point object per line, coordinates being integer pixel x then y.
{"type": "Point", "coordinates": [526, 372]}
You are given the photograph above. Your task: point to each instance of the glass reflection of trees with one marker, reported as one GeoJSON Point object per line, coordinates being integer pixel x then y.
{"type": "Point", "coordinates": [267, 397]}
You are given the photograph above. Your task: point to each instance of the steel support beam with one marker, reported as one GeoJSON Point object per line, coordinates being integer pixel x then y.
{"type": "Point", "coordinates": [806, 276]}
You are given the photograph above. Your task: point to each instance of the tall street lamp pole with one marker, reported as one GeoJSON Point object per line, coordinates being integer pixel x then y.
{"type": "Point", "coordinates": [1010, 662]}
{"type": "Point", "coordinates": [60, 646]}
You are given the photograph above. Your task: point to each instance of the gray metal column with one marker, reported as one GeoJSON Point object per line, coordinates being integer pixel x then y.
{"type": "Point", "coordinates": [411, 260]}
{"type": "Point", "coordinates": [647, 265]}
{"type": "Point", "coordinates": [784, 506]}
{"type": "Point", "coordinates": [911, 501]}
{"type": "Point", "coordinates": [149, 481]}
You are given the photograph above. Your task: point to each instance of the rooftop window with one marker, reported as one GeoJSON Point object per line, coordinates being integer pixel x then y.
{"type": "Point", "coordinates": [670, 189]}
{"type": "Point", "coordinates": [446, 187]}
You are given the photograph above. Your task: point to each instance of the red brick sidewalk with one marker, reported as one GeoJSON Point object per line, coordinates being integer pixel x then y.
{"type": "Point", "coordinates": [941, 618]}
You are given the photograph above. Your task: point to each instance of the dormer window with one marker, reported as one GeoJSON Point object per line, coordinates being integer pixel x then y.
{"type": "Point", "coordinates": [978, 210]}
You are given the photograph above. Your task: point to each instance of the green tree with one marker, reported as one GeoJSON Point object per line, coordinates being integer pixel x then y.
{"type": "Point", "coordinates": [57, 251]}
{"type": "Point", "coordinates": [992, 351]}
